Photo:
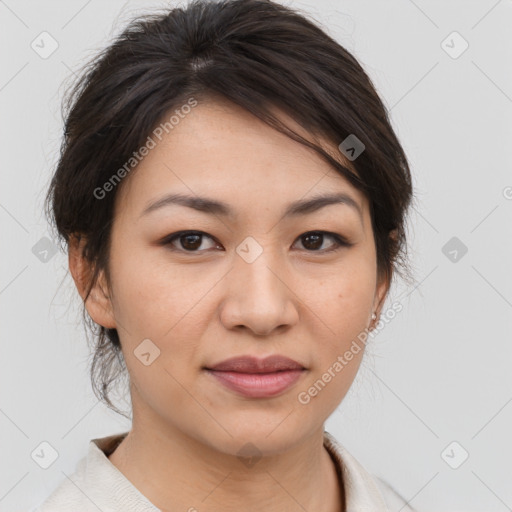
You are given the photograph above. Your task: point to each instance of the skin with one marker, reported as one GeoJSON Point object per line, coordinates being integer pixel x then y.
{"type": "Point", "coordinates": [202, 307]}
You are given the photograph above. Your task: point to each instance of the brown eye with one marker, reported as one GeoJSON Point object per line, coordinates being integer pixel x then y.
{"type": "Point", "coordinates": [314, 240]}
{"type": "Point", "coordinates": [189, 241]}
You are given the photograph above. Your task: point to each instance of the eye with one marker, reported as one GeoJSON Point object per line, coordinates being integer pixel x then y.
{"type": "Point", "coordinates": [313, 241]}
{"type": "Point", "coordinates": [191, 241]}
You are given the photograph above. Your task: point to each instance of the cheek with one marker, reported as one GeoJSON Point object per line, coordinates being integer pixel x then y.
{"type": "Point", "coordinates": [344, 298]}
{"type": "Point", "coordinates": [151, 296]}
{"type": "Point", "coordinates": [342, 303]}
{"type": "Point", "coordinates": [165, 304]}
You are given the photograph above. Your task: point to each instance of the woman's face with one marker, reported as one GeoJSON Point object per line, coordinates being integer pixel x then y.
{"type": "Point", "coordinates": [252, 284]}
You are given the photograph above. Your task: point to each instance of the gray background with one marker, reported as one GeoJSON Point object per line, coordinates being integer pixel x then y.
{"type": "Point", "coordinates": [438, 373]}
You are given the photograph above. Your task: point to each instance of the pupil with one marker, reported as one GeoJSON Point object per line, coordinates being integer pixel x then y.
{"type": "Point", "coordinates": [194, 244]}
{"type": "Point", "coordinates": [315, 238]}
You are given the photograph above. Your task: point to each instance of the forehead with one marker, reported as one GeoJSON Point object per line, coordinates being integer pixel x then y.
{"type": "Point", "coordinates": [220, 150]}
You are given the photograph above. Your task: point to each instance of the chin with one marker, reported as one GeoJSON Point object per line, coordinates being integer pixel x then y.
{"type": "Point", "coordinates": [262, 436]}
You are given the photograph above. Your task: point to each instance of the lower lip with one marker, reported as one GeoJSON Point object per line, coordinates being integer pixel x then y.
{"type": "Point", "coordinates": [258, 385]}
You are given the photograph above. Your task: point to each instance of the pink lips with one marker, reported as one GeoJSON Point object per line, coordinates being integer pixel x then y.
{"type": "Point", "coordinates": [257, 378]}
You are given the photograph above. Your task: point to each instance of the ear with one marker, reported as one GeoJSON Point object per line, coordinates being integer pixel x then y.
{"type": "Point", "coordinates": [383, 285]}
{"type": "Point", "coordinates": [98, 304]}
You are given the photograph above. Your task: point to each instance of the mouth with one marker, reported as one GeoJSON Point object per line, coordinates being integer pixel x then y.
{"type": "Point", "coordinates": [257, 378]}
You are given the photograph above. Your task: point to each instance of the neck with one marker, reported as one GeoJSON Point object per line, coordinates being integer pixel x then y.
{"type": "Point", "coordinates": [168, 467]}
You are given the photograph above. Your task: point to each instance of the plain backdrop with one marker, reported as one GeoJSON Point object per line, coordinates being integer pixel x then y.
{"type": "Point", "coordinates": [431, 408]}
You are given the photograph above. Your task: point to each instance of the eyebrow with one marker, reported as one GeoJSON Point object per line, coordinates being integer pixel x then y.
{"type": "Point", "coordinates": [214, 207]}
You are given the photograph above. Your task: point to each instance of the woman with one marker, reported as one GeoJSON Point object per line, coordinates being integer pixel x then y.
{"type": "Point", "coordinates": [233, 199]}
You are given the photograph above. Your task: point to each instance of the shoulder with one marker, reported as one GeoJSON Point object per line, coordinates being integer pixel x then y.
{"type": "Point", "coordinates": [393, 500]}
{"type": "Point", "coordinates": [68, 495]}
{"type": "Point", "coordinates": [94, 485]}
{"type": "Point", "coordinates": [363, 490]}
{"type": "Point", "coordinates": [64, 498]}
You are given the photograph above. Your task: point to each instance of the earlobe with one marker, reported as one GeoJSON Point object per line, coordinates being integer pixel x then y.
{"type": "Point", "coordinates": [98, 302]}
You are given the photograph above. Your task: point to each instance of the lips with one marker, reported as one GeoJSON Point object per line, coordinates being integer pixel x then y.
{"type": "Point", "coordinates": [250, 364]}
{"type": "Point", "coordinates": [257, 378]}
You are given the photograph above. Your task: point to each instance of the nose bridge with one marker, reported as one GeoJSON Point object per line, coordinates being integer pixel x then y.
{"type": "Point", "coordinates": [257, 264]}
{"type": "Point", "coordinates": [258, 297]}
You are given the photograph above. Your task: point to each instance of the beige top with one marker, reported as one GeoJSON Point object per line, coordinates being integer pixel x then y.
{"type": "Point", "coordinates": [98, 485]}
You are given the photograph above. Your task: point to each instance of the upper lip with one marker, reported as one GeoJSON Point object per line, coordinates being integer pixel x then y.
{"type": "Point", "coordinates": [250, 364]}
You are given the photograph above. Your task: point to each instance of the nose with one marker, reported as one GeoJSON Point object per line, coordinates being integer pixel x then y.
{"type": "Point", "coordinates": [259, 296]}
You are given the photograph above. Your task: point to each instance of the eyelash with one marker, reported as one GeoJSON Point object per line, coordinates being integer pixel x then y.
{"type": "Point", "coordinates": [340, 242]}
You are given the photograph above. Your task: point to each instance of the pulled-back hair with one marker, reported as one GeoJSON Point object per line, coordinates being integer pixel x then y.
{"type": "Point", "coordinates": [257, 54]}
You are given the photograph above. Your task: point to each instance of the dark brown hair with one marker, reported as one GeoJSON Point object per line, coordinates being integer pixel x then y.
{"type": "Point", "coordinates": [255, 53]}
